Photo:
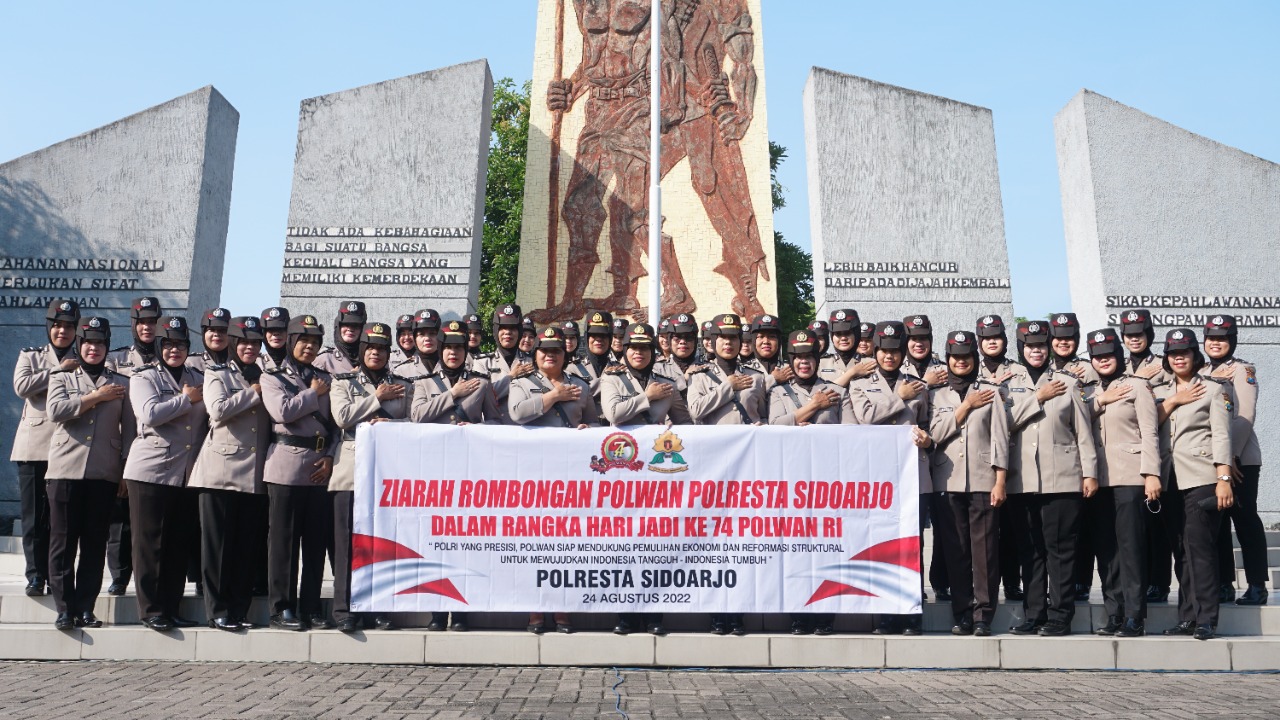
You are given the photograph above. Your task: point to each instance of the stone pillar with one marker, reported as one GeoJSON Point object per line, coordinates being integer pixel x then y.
{"type": "Point", "coordinates": [139, 207]}
{"type": "Point", "coordinates": [388, 196]}
{"type": "Point", "coordinates": [904, 204]}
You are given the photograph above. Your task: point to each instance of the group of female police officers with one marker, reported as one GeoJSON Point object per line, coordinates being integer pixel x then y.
{"type": "Point", "coordinates": [1076, 456]}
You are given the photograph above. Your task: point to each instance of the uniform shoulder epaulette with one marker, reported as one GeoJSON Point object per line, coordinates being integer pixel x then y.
{"type": "Point", "coordinates": [219, 366]}
{"type": "Point", "coordinates": [482, 356]}
{"type": "Point", "coordinates": [1241, 360]}
{"type": "Point", "coordinates": [277, 370]}
{"type": "Point", "coordinates": [153, 365]}
{"type": "Point", "coordinates": [701, 367]}
{"type": "Point", "coordinates": [398, 376]}
{"type": "Point", "coordinates": [614, 370]}
{"type": "Point", "coordinates": [1220, 381]}
{"type": "Point", "coordinates": [32, 349]}
{"type": "Point", "coordinates": [345, 376]}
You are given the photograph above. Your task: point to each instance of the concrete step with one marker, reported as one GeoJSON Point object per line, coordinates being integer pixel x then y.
{"type": "Point", "coordinates": [43, 642]}
{"type": "Point", "coordinates": [1273, 557]}
{"type": "Point", "coordinates": [1273, 579]}
{"type": "Point", "coordinates": [17, 608]}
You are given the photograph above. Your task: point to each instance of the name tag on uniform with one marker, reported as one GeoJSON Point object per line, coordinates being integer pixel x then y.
{"type": "Point", "coordinates": [1018, 389]}
{"type": "Point", "coordinates": [871, 390]}
{"type": "Point", "coordinates": [167, 391]}
{"type": "Point", "coordinates": [537, 390]}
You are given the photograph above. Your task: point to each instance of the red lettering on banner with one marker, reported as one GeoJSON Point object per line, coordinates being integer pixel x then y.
{"type": "Point", "coordinates": [541, 526]}
{"type": "Point", "coordinates": [416, 493]}
{"type": "Point", "coordinates": [387, 486]}
{"type": "Point", "coordinates": [458, 525]}
{"type": "Point", "coordinates": [778, 526]}
{"type": "Point", "coordinates": [609, 526]}
{"type": "Point", "coordinates": [640, 494]}
{"type": "Point", "coordinates": [738, 494]}
{"type": "Point", "coordinates": [844, 495]}
{"type": "Point", "coordinates": [554, 494]}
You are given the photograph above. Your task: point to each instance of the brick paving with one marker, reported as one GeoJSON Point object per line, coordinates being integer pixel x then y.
{"type": "Point", "coordinates": [292, 691]}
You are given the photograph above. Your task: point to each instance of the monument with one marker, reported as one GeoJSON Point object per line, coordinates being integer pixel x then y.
{"type": "Point", "coordinates": [585, 228]}
{"type": "Point", "coordinates": [904, 204]}
{"type": "Point", "coordinates": [133, 208]}
{"type": "Point", "coordinates": [388, 196]}
{"type": "Point", "coordinates": [1161, 218]}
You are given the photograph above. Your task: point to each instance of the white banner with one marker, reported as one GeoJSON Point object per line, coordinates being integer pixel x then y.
{"type": "Point", "coordinates": [822, 518]}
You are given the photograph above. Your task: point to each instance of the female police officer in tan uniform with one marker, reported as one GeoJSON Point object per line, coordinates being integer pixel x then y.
{"type": "Point", "coordinates": [168, 402]}
{"type": "Point", "coordinates": [299, 462]}
{"type": "Point", "coordinates": [551, 398]}
{"type": "Point", "coordinates": [889, 396]}
{"type": "Point", "coordinates": [1195, 423]}
{"type": "Point", "coordinates": [1053, 466]}
{"type": "Point", "coordinates": [370, 394]}
{"type": "Point", "coordinates": [95, 427]}
{"type": "Point", "coordinates": [1125, 425]}
{"type": "Point", "coordinates": [228, 475]}
{"type": "Point", "coordinates": [970, 426]}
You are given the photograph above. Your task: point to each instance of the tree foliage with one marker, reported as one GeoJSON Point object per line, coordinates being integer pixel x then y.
{"type": "Point", "coordinates": [504, 196]}
{"type": "Point", "coordinates": [793, 266]}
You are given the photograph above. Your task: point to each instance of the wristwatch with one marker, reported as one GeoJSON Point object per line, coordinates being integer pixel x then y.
{"type": "Point", "coordinates": [1224, 478]}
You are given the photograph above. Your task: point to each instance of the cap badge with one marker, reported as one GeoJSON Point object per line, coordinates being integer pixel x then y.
{"type": "Point", "coordinates": [1177, 335]}
{"type": "Point", "coordinates": [144, 303]}
{"type": "Point", "coordinates": [250, 324]}
{"type": "Point", "coordinates": [93, 323]}
{"type": "Point", "coordinates": [988, 320]}
{"type": "Point", "coordinates": [308, 320]}
{"type": "Point", "coordinates": [801, 337]}
{"type": "Point", "coordinates": [840, 315]}
{"type": "Point", "coordinates": [65, 307]}
{"type": "Point", "coordinates": [1099, 337]}
{"type": "Point", "coordinates": [766, 319]}
{"type": "Point", "coordinates": [352, 307]}
{"type": "Point", "coordinates": [1062, 320]}
{"type": "Point", "coordinates": [959, 337]}
{"type": "Point", "coordinates": [508, 310]}
{"type": "Point", "coordinates": [549, 332]}
{"type": "Point", "coordinates": [917, 321]}
{"type": "Point", "coordinates": [174, 324]}
{"type": "Point", "coordinates": [1217, 320]}
{"type": "Point", "coordinates": [889, 331]}
{"type": "Point", "coordinates": [275, 313]}
{"type": "Point", "coordinates": [597, 318]}
{"type": "Point", "coordinates": [219, 313]}
{"type": "Point", "coordinates": [1033, 327]}
{"type": "Point", "coordinates": [1133, 317]}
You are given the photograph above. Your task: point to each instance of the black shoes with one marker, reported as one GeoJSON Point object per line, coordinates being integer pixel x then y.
{"type": "Point", "coordinates": [622, 628]}
{"type": "Point", "coordinates": [657, 629]}
{"type": "Point", "coordinates": [116, 589]}
{"type": "Point", "coordinates": [1014, 593]}
{"type": "Point", "coordinates": [1185, 627]}
{"type": "Point", "coordinates": [383, 623]}
{"type": "Point", "coordinates": [35, 587]}
{"type": "Point", "coordinates": [64, 622]}
{"type": "Point", "coordinates": [87, 619]}
{"type": "Point", "coordinates": [982, 629]}
{"type": "Point", "coordinates": [319, 621]}
{"type": "Point", "coordinates": [286, 620]}
{"type": "Point", "coordinates": [1082, 594]}
{"type": "Point", "coordinates": [887, 626]}
{"type": "Point", "coordinates": [1226, 593]}
{"type": "Point", "coordinates": [1203, 632]}
{"type": "Point", "coordinates": [439, 626]}
{"type": "Point", "coordinates": [1157, 594]}
{"type": "Point", "coordinates": [159, 623]}
{"type": "Point", "coordinates": [179, 621]}
{"type": "Point", "coordinates": [1055, 628]}
{"type": "Point", "coordinates": [942, 594]}
{"type": "Point", "coordinates": [1029, 627]}
{"type": "Point", "coordinates": [1114, 623]}
{"type": "Point", "coordinates": [564, 628]}
{"type": "Point", "coordinates": [1255, 595]}
{"type": "Point", "coordinates": [225, 624]}
{"type": "Point", "coordinates": [913, 626]}
{"type": "Point", "coordinates": [1131, 628]}
{"type": "Point", "coordinates": [718, 628]}
{"type": "Point", "coordinates": [351, 624]}
{"type": "Point", "coordinates": [962, 627]}
{"type": "Point", "coordinates": [536, 628]}
{"type": "Point", "coordinates": [800, 627]}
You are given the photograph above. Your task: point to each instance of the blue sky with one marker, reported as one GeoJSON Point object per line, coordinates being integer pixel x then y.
{"type": "Point", "coordinates": [1212, 69]}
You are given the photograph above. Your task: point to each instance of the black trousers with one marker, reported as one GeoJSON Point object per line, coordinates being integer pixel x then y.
{"type": "Point", "coordinates": [35, 518]}
{"type": "Point", "coordinates": [301, 518]}
{"type": "Point", "coordinates": [78, 522]}
{"type": "Point", "coordinates": [1052, 522]}
{"type": "Point", "coordinates": [1012, 516]}
{"type": "Point", "coordinates": [1094, 523]}
{"type": "Point", "coordinates": [160, 518]}
{"type": "Point", "coordinates": [1159, 554]}
{"type": "Point", "coordinates": [1120, 537]}
{"type": "Point", "coordinates": [259, 512]}
{"type": "Point", "coordinates": [342, 506]}
{"type": "Point", "coordinates": [1193, 534]}
{"type": "Point", "coordinates": [120, 543]}
{"type": "Point", "coordinates": [1243, 513]}
{"type": "Point", "coordinates": [225, 549]}
{"type": "Point", "coordinates": [939, 512]}
{"type": "Point", "coordinates": [973, 556]}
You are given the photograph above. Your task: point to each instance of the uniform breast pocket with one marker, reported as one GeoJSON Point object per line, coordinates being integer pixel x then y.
{"type": "Point", "coordinates": [227, 450]}
{"type": "Point", "coordinates": [34, 421]}
{"type": "Point", "coordinates": [1131, 449]}
{"type": "Point", "coordinates": [157, 442]}
{"type": "Point", "coordinates": [1072, 449]}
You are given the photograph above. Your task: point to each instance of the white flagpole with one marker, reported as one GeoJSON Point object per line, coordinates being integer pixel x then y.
{"type": "Point", "coordinates": [655, 164]}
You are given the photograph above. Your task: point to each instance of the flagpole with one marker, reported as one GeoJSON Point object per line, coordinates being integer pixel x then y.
{"type": "Point", "coordinates": [655, 163]}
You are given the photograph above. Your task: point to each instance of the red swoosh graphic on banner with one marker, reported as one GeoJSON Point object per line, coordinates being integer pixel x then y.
{"type": "Point", "coordinates": [444, 587]}
{"type": "Point", "coordinates": [831, 588]}
{"type": "Point", "coordinates": [904, 552]}
{"type": "Point", "coordinates": [367, 550]}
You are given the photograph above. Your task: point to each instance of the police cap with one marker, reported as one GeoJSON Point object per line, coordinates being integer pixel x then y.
{"type": "Point", "coordinates": [145, 308]}
{"type": "Point", "coordinates": [94, 329]}
{"type": "Point", "coordinates": [352, 312]}
{"type": "Point", "coordinates": [889, 335]}
{"type": "Point", "coordinates": [1221, 326]}
{"type": "Point", "coordinates": [1064, 325]}
{"type": "Point", "coordinates": [1180, 339]}
{"type": "Point", "coordinates": [215, 319]}
{"type": "Point", "coordinates": [1135, 322]}
{"type": "Point", "coordinates": [918, 326]}
{"type": "Point", "coordinates": [245, 327]}
{"type": "Point", "coordinates": [275, 318]}
{"type": "Point", "coordinates": [1031, 332]}
{"type": "Point", "coordinates": [990, 326]}
{"type": "Point", "coordinates": [1103, 342]}
{"type": "Point", "coordinates": [597, 322]}
{"type": "Point", "coordinates": [962, 342]}
{"type": "Point", "coordinates": [844, 320]}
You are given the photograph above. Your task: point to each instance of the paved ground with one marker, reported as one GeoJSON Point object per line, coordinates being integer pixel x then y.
{"type": "Point", "coordinates": [280, 692]}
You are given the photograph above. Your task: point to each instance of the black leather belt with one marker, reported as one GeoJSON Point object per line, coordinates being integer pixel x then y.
{"type": "Point", "coordinates": [317, 443]}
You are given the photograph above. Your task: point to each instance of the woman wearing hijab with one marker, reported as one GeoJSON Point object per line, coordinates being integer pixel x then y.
{"type": "Point", "coordinates": [405, 349]}
{"type": "Point", "coordinates": [94, 430]}
{"type": "Point", "coordinates": [228, 476]}
{"type": "Point", "coordinates": [891, 397]}
{"type": "Point", "coordinates": [299, 463]}
{"type": "Point", "coordinates": [168, 402]}
{"type": "Point", "coordinates": [341, 358]}
{"type": "Point", "coordinates": [1220, 335]}
{"type": "Point", "coordinates": [1125, 430]}
{"type": "Point", "coordinates": [551, 398]}
{"type": "Point", "coordinates": [1053, 467]}
{"type": "Point", "coordinates": [1195, 424]}
{"type": "Point", "coordinates": [373, 393]}
{"type": "Point", "coordinates": [275, 337]}
{"type": "Point", "coordinates": [844, 364]}
{"type": "Point", "coordinates": [632, 395]}
{"type": "Point", "coordinates": [970, 427]}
